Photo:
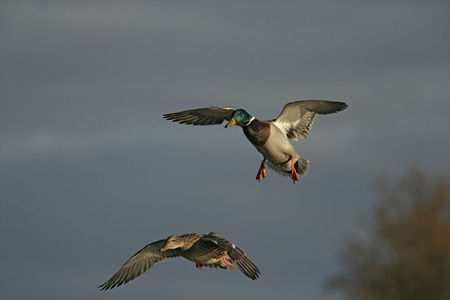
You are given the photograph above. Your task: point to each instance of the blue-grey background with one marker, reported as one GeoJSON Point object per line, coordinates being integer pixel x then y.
{"type": "Point", "coordinates": [91, 172]}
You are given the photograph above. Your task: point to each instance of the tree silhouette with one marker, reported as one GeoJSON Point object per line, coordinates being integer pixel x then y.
{"type": "Point", "coordinates": [406, 253]}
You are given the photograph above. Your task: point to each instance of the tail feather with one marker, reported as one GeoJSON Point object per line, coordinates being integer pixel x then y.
{"type": "Point", "coordinates": [301, 166]}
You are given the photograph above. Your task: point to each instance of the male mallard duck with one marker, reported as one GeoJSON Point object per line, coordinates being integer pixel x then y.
{"type": "Point", "coordinates": [210, 250]}
{"type": "Point", "coordinates": [270, 138]}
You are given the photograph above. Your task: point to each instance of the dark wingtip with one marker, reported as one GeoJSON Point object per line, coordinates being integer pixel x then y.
{"type": "Point", "coordinates": [343, 106]}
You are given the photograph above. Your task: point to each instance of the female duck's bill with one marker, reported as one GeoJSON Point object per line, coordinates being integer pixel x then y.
{"type": "Point", "coordinates": [209, 250]}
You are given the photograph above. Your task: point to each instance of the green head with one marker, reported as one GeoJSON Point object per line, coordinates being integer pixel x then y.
{"type": "Point", "coordinates": [240, 117]}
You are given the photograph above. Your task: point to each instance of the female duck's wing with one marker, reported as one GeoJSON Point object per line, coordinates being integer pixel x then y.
{"type": "Point", "coordinates": [202, 116]}
{"type": "Point", "coordinates": [237, 255]}
{"type": "Point", "coordinates": [139, 263]}
{"type": "Point", "coordinates": [297, 118]}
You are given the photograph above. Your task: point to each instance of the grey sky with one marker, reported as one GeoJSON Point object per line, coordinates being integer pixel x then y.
{"type": "Point", "coordinates": [91, 172]}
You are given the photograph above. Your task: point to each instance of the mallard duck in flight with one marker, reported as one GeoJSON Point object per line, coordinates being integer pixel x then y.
{"type": "Point", "coordinates": [209, 250]}
{"type": "Point", "coordinates": [270, 138]}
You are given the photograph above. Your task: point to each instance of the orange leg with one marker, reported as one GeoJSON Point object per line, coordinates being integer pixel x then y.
{"type": "Point", "coordinates": [261, 172]}
{"type": "Point", "coordinates": [228, 263]}
{"type": "Point", "coordinates": [294, 174]}
{"type": "Point", "coordinates": [199, 266]}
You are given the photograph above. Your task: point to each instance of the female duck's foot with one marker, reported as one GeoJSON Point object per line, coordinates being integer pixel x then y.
{"type": "Point", "coordinates": [294, 174]}
{"type": "Point", "coordinates": [261, 172]}
{"type": "Point", "coordinates": [199, 266]}
{"type": "Point", "coordinates": [228, 263]}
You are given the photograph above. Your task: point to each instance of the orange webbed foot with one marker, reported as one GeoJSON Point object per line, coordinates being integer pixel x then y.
{"type": "Point", "coordinates": [294, 174]}
{"type": "Point", "coordinates": [261, 172]}
{"type": "Point", "coordinates": [199, 266]}
{"type": "Point", "coordinates": [228, 263]}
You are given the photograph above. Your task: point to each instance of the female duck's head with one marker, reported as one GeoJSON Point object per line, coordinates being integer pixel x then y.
{"type": "Point", "coordinates": [239, 117]}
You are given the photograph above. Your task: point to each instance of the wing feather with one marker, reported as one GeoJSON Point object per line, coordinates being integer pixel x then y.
{"type": "Point", "coordinates": [237, 255]}
{"type": "Point", "coordinates": [297, 118]}
{"type": "Point", "coordinates": [139, 263]}
{"type": "Point", "coordinates": [202, 116]}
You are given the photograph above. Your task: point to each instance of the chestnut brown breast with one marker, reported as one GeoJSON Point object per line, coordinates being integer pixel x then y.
{"type": "Point", "coordinates": [257, 132]}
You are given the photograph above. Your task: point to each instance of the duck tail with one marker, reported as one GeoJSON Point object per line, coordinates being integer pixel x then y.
{"type": "Point", "coordinates": [301, 166]}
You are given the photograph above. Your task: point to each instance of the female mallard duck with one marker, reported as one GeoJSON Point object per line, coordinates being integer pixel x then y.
{"type": "Point", "coordinates": [270, 138]}
{"type": "Point", "coordinates": [210, 250]}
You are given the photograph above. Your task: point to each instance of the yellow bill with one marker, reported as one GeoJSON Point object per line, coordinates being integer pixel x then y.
{"type": "Point", "coordinates": [231, 123]}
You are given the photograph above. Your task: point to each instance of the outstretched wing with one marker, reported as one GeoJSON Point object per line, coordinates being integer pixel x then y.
{"type": "Point", "coordinates": [237, 255]}
{"type": "Point", "coordinates": [297, 118]}
{"type": "Point", "coordinates": [139, 263]}
{"type": "Point", "coordinates": [202, 116]}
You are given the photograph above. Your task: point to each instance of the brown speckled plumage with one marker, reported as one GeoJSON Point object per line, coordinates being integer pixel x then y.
{"type": "Point", "coordinates": [209, 250]}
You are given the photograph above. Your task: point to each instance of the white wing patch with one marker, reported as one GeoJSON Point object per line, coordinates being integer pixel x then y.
{"type": "Point", "coordinates": [296, 128]}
